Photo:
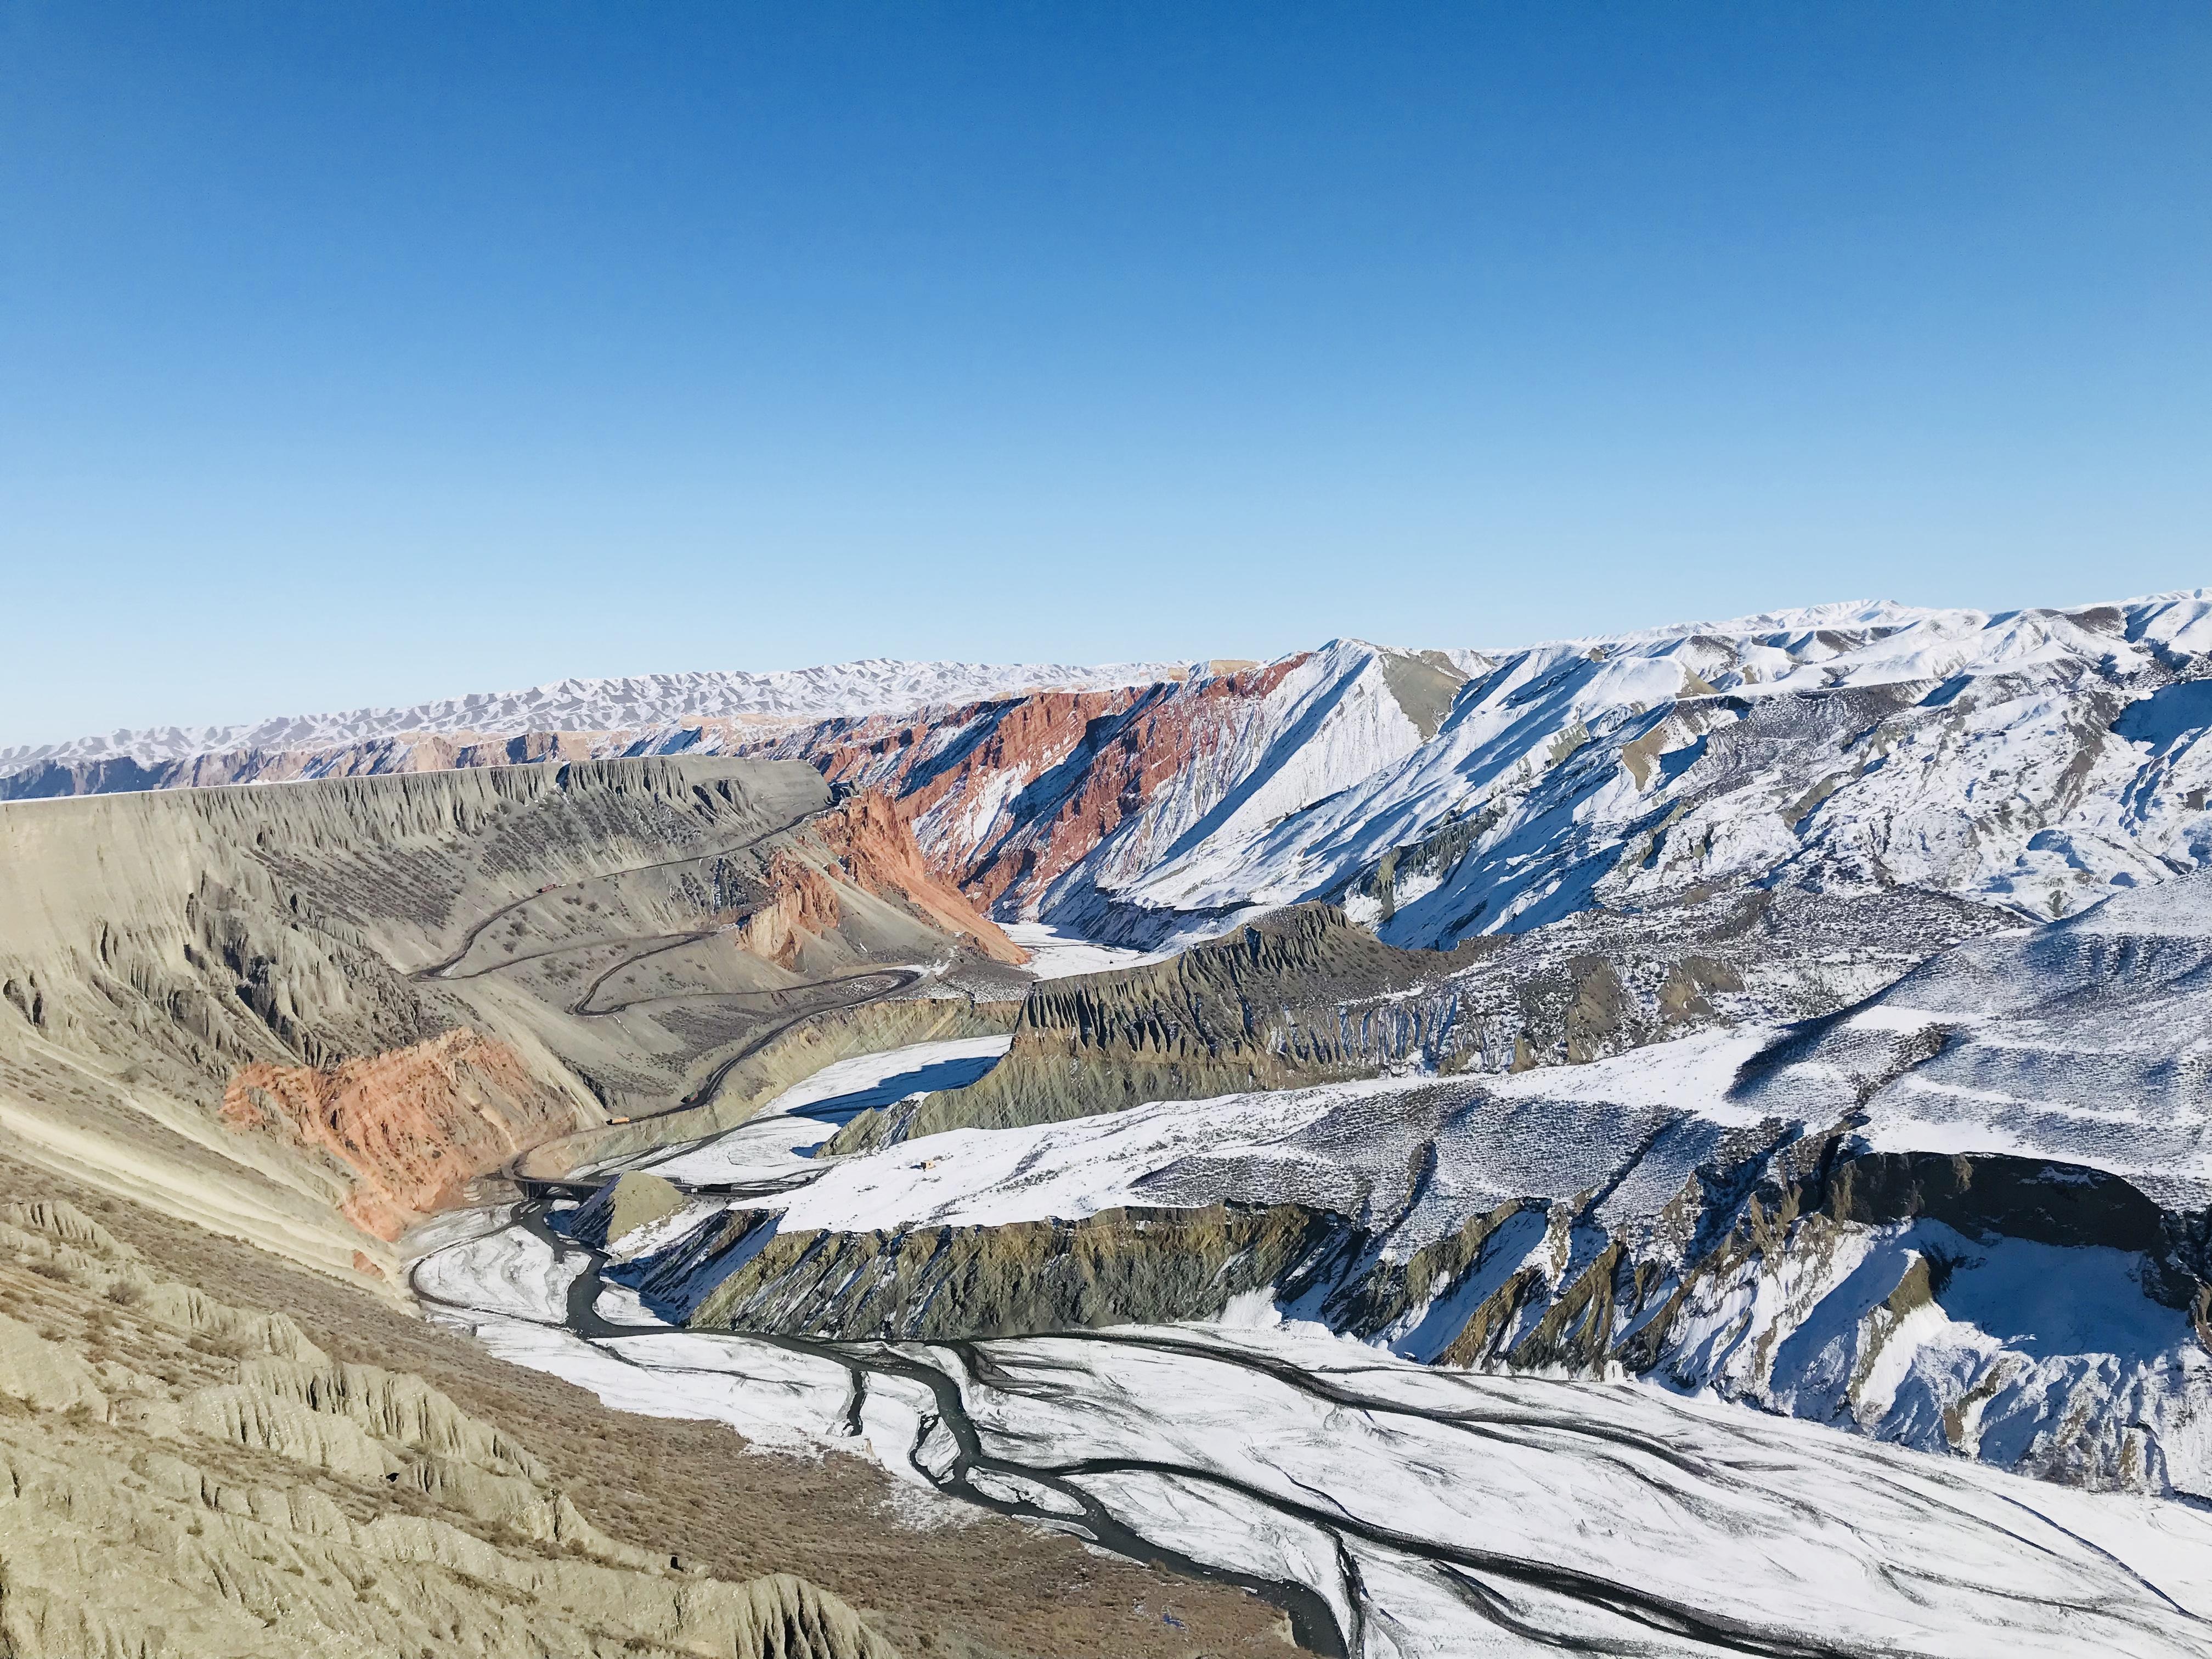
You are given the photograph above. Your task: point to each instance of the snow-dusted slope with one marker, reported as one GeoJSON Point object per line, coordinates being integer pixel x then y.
{"type": "Point", "coordinates": [2087, 1042]}
{"type": "Point", "coordinates": [632, 704]}
{"type": "Point", "coordinates": [1965, 1215]}
{"type": "Point", "coordinates": [1402, 1510]}
{"type": "Point", "coordinates": [1046, 800]}
{"type": "Point", "coordinates": [2033, 759]}
{"type": "Point", "coordinates": [1332, 720]}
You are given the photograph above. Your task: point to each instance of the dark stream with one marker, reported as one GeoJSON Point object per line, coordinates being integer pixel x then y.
{"type": "Point", "coordinates": [1468, 1571]}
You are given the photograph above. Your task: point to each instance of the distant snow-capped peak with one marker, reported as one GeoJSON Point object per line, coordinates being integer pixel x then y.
{"type": "Point", "coordinates": [875, 685]}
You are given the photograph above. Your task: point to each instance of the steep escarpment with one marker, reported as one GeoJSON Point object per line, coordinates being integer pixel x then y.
{"type": "Point", "coordinates": [1970, 1214]}
{"type": "Point", "coordinates": [875, 848]}
{"type": "Point", "coordinates": [2051, 1319]}
{"type": "Point", "coordinates": [255, 1006]}
{"type": "Point", "coordinates": [1009, 797]}
{"type": "Point", "coordinates": [1048, 804]}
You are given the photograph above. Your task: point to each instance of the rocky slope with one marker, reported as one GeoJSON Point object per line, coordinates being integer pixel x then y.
{"type": "Point", "coordinates": [1037, 804]}
{"type": "Point", "coordinates": [1039, 798]}
{"type": "Point", "coordinates": [1304, 996]}
{"type": "Point", "coordinates": [2033, 760]}
{"type": "Point", "coordinates": [2029, 760]}
{"type": "Point", "coordinates": [180, 1477]}
{"type": "Point", "coordinates": [252, 1005]}
{"type": "Point", "coordinates": [1301, 996]}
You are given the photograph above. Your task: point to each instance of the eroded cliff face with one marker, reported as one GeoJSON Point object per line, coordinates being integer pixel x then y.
{"type": "Point", "coordinates": [1008, 796]}
{"type": "Point", "coordinates": [180, 1477]}
{"type": "Point", "coordinates": [413, 1126]}
{"type": "Point", "coordinates": [874, 843]}
{"type": "Point", "coordinates": [1301, 996]}
{"type": "Point", "coordinates": [380, 757]}
{"type": "Point", "coordinates": [1306, 996]}
{"type": "Point", "coordinates": [1053, 802]}
{"type": "Point", "coordinates": [252, 1007]}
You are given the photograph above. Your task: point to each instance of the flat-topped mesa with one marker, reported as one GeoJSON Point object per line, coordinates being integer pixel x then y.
{"type": "Point", "coordinates": [258, 1007]}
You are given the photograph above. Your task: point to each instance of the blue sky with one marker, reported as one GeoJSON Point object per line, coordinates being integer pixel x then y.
{"type": "Point", "coordinates": [362, 354]}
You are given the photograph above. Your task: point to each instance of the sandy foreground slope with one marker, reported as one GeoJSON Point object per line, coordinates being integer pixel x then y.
{"type": "Point", "coordinates": [189, 1476]}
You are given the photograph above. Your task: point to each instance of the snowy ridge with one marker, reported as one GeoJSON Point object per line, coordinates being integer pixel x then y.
{"type": "Point", "coordinates": [874, 685]}
{"type": "Point", "coordinates": [2034, 760]}
{"type": "Point", "coordinates": [1330, 723]}
{"type": "Point", "coordinates": [2038, 1326]}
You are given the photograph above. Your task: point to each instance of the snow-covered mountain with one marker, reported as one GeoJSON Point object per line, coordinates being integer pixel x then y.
{"type": "Point", "coordinates": [2032, 760]}
{"type": "Point", "coordinates": [632, 704]}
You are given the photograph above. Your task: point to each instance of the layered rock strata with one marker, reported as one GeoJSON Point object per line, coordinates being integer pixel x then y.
{"type": "Point", "coordinates": [1970, 1213]}
{"type": "Point", "coordinates": [252, 1007]}
{"type": "Point", "coordinates": [1304, 996]}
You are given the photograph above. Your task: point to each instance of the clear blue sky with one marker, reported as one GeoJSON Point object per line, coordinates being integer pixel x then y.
{"type": "Point", "coordinates": [367, 352]}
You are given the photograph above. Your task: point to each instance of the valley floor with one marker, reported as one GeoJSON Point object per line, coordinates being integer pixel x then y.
{"type": "Point", "coordinates": [1388, 1508]}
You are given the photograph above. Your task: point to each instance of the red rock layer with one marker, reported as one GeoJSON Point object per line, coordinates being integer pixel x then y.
{"type": "Point", "coordinates": [414, 1125]}
{"type": "Point", "coordinates": [871, 844]}
{"type": "Point", "coordinates": [1065, 769]}
{"type": "Point", "coordinates": [804, 904]}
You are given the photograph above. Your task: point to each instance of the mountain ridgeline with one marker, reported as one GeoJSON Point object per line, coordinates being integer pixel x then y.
{"type": "Point", "coordinates": [1803, 1011]}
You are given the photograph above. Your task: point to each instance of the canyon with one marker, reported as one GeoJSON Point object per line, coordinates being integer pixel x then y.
{"type": "Point", "coordinates": [1267, 1121]}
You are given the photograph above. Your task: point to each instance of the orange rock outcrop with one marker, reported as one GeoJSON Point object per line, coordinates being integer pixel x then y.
{"type": "Point", "coordinates": [805, 903]}
{"type": "Point", "coordinates": [870, 842]}
{"type": "Point", "coordinates": [872, 837]}
{"type": "Point", "coordinates": [1030, 786]}
{"type": "Point", "coordinates": [414, 1125]}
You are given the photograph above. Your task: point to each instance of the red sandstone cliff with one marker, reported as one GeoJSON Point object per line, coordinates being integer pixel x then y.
{"type": "Point", "coordinates": [870, 845]}
{"type": "Point", "coordinates": [873, 839]}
